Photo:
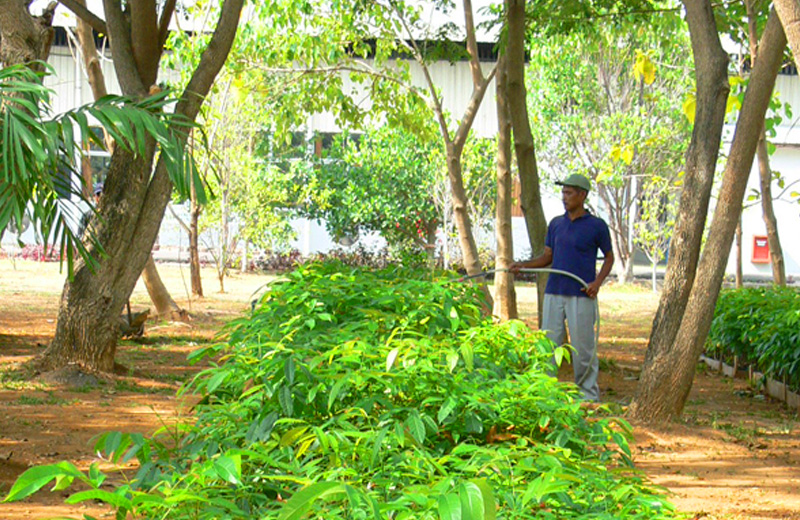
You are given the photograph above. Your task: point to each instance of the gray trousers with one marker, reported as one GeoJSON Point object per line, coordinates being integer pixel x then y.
{"type": "Point", "coordinates": [580, 315]}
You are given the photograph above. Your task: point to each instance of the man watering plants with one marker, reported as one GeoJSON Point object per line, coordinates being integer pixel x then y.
{"type": "Point", "coordinates": [571, 245]}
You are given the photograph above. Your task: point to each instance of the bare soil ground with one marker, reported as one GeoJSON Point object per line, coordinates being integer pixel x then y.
{"type": "Point", "coordinates": [734, 455]}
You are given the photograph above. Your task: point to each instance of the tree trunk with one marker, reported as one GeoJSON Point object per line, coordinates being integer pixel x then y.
{"type": "Point", "coordinates": [711, 71]}
{"type": "Point", "coordinates": [667, 379]}
{"type": "Point", "coordinates": [789, 14]}
{"type": "Point", "coordinates": [530, 196]}
{"type": "Point", "coordinates": [86, 332]}
{"type": "Point", "coordinates": [738, 280]}
{"type": "Point", "coordinates": [132, 206]}
{"type": "Point", "coordinates": [194, 251]}
{"type": "Point", "coordinates": [623, 260]}
{"type": "Point", "coordinates": [773, 238]}
{"type": "Point", "coordinates": [166, 307]}
{"type": "Point", "coordinates": [505, 299]}
{"type": "Point", "coordinates": [454, 145]}
{"type": "Point", "coordinates": [159, 295]}
{"type": "Point", "coordinates": [466, 238]}
{"type": "Point", "coordinates": [24, 38]}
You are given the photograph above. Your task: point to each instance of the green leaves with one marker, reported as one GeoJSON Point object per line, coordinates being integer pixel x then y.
{"type": "Point", "coordinates": [35, 478]}
{"type": "Point", "coordinates": [40, 151]}
{"type": "Point", "coordinates": [759, 326]}
{"type": "Point", "coordinates": [301, 502]}
{"type": "Point", "coordinates": [474, 500]}
{"type": "Point", "coordinates": [309, 423]}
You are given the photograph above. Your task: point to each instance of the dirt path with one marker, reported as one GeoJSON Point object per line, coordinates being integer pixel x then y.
{"type": "Point", "coordinates": [734, 454]}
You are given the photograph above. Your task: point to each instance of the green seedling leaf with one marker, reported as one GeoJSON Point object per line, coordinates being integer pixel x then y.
{"type": "Point", "coordinates": [446, 409]}
{"type": "Point", "coordinates": [449, 507]}
{"type": "Point", "coordinates": [489, 501]}
{"type": "Point", "coordinates": [34, 479]}
{"type": "Point", "coordinates": [229, 468]}
{"type": "Point", "coordinates": [471, 499]}
{"type": "Point", "coordinates": [416, 427]}
{"type": "Point", "coordinates": [102, 495]}
{"type": "Point", "coordinates": [301, 502]}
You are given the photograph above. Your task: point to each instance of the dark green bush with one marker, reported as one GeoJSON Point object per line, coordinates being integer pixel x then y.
{"type": "Point", "coordinates": [377, 395]}
{"type": "Point", "coordinates": [761, 326]}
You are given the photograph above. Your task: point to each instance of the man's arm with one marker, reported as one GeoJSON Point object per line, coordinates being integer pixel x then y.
{"type": "Point", "coordinates": [542, 261]}
{"type": "Point", "coordinates": [594, 287]}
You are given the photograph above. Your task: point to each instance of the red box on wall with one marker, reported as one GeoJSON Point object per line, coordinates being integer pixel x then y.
{"type": "Point", "coordinates": [760, 250]}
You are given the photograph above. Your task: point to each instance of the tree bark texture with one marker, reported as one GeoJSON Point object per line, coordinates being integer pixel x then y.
{"type": "Point", "coordinates": [24, 38]}
{"type": "Point", "coordinates": [524, 149]}
{"type": "Point", "coordinates": [711, 71]}
{"type": "Point", "coordinates": [194, 250]}
{"type": "Point", "coordinates": [159, 295]}
{"type": "Point", "coordinates": [768, 212]}
{"type": "Point", "coordinates": [789, 14]}
{"type": "Point", "coordinates": [739, 276]}
{"type": "Point", "coordinates": [166, 307]}
{"type": "Point", "coordinates": [667, 380]}
{"type": "Point", "coordinates": [131, 208]}
{"type": "Point", "coordinates": [505, 299]}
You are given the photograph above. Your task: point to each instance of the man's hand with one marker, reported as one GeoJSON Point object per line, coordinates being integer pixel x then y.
{"type": "Point", "coordinates": [593, 289]}
{"type": "Point", "coordinates": [515, 267]}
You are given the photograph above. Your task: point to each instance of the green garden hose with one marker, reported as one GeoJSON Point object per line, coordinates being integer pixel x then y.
{"type": "Point", "coordinates": [551, 271]}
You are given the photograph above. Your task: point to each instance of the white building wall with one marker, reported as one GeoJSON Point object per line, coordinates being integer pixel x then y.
{"type": "Point", "coordinates": [454, 81]}
{"type": "Point", "coordinates": [786, 160]}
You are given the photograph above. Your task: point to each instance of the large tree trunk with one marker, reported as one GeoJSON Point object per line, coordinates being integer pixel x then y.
{"type": "Point", "coordinates": [159, 295]}
{"type": "Point", "coordinates": [24, 38]}
{"type": "Point", "coordinates": [770, 221]}
{"type": "Point", "coordinates": [505, 299]}
{"type": "Point", "coordinates": [86, 332]}
{"type": "Point", "coordinates": [789, 14]}
{"type": "Point", "coordinates": [667, 378]}
{"type": "Point", "coordinates": [530, 196]}
{"type": "Point", "coordinates": [711, 71]}
{"type": "Point", "coordinates": [134, 197]}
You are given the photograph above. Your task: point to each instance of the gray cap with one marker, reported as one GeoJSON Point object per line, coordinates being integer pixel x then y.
{"type": "Point", "coordinates": [576, 180]}
{"type": "Point", "coordinates": [98, 188]}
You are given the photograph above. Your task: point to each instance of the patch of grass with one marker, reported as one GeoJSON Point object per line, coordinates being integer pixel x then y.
{"type": "Point", "coordinates": [124, 385]}
{"type": "Point", "coordinates": [16, 377]}
{"type": "Point", "coordinates": [40, 401]}
{"type": "Point", "coordinates": [607, 364]}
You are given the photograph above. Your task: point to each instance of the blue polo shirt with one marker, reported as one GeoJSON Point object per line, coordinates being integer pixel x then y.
{"type": "Point", "coordinates": [575, 244]}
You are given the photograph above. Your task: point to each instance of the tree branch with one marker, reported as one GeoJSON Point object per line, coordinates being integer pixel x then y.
{"type": "Point", "coordinates": [163, 24]}
{"type": "Point", "coordinates": [81, 11]}
{"type": "Point", "coordinates": [179, 219]}
{"type": "Point", "coordinates": [414, 48]}
{"type": "Point", "coordinates": [472, 45]}
{"type": "Point", "coordinates": [212, 60]}
{"type": "Point", "coordinates": [124, 65]}
{"type": "Point", "coordinates": [145, 39]}
{"type": "Point", "coordinates": [472, 108]}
